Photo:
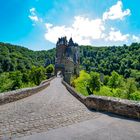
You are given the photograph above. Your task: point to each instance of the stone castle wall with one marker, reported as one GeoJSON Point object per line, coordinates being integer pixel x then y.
{"type": "Point", "coordinates": [118, 106]}
{"type": "Point", "coordinates": [67, 55]}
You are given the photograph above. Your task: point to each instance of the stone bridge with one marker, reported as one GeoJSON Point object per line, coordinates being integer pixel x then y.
{"type": "Point", "coordinates": [54, 114]}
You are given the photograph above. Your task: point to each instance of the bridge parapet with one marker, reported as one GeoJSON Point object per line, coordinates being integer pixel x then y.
{"type": "Point", "coordinates": [118, 106]}
{"type": "Point", "coordinates": [15, 95]}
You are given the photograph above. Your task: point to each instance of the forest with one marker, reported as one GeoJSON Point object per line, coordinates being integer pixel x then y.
{"type": "Point", "coordinates": [21, 67]}
{"type": "Point", "coordinates": [14, 58]}
{"type": "Point", "coordinates": [109, 71]}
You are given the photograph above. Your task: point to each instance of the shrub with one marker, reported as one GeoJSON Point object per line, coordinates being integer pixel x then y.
{"type": "Point", "coordinates": [5, 82]}
{"type": "Point", "coordinates": [104, 91]}
{"type": "Point", "coordinates": [37, 74]}
{"type": "Point", "coordinates": [130, 87]}
{"type": "Point", "coordinates": [50, 69]}
{"type": "Point", "coordinates": [135, 96]}
{"type": "Point", "coordinates": [16, 77]}
{"type": "Point", "coordinates": [82, 82]}
{"type": "Point", "coordinates": [94, 82]}
{"type": "Point", "coordinates": [115, 80]}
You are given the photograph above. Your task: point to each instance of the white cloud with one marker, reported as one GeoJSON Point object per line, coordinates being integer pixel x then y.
{"type": "Point", "coordinates": [83, 30]}
{"type": "Point", "coordinates": [33, 15]}
{"type": "Point", "coordinates": [32, 10]}
{"type": "Point", "coordinates": [116, 12]}
{"type": "Point", "coordinates": [115, 35]}
{"type": "Point", "coordinates": [112, 29]}
{"type": "Point", "coordinates": [135, 38]}
{"type": "Point", "coordinates": [33, 18]}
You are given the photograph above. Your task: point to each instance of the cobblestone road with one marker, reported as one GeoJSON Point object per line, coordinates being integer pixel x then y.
{"type": "Point", "coordinates": [51, 108]}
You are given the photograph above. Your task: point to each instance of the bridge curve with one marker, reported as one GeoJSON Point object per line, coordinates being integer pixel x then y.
{"type": "Point", "coordinates": [53, 107]}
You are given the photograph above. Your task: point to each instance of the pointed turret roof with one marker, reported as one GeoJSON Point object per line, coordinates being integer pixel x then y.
{"type": "Point", "coordinates": [71, 43]}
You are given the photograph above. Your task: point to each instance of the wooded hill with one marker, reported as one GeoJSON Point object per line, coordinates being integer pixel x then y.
{"type": "Point", "coordinates": [14, 57]}
{"type": "Point", "coordinates": [21, 67]}
{"type": "Point", "coordinates": [123, 59]}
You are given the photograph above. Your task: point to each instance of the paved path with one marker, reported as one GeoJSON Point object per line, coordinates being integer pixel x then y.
{"type": "Point", "coordinates": [101, 128]}
{"type": "Point", "coordinates": [54, 114]}
{"type": "Point", "coordinates": [52, 108]}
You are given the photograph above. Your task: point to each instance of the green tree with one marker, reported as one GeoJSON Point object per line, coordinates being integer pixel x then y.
{"type": "Point", "coordinates": [115, 80]}
{"type": "Point", "coordinates": [94, 82]}
{"type": "Point", "coordinates": [135, 96]}
{"type": "Point", "coordinates": [130, 87]}
{"type": "Point", "coordinates": [136, 75]}
{"type": "Point", "coordinates": [25, 77]}
{"type": "Point", "coordinates": [106, 79]}
{"type": "Point", "coordinates": [5, 82]}
{"type": "Point", "coordinates": [50, 69]}
{"type": "Point", "coordinates": [37, 74]}
{"type": "Point", "coordinates": [82, 82]}
{"type": "Point", "coordinates": [16, 77]}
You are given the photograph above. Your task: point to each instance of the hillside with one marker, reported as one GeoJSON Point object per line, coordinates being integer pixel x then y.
{"type": "Point", "coordinates": [101, 59]}
{"type": "Point", "coordinates": [14, 57]}
{"type": "Point", "coordinates": [21, 67]}
{"type": "Point", "coordinates": [110, 71]}
{"type": "Point", "coordinates": [124, 59]}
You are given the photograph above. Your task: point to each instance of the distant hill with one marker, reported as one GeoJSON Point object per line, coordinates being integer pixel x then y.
{"type": "Point", "coordinates": [122, 59]}
{"type": "Point", "coordinates": [14, 57]}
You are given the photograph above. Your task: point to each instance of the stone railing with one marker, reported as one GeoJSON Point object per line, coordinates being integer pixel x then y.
{"type": "Point", "coordinates": [79, 96]}
{"type": "Point", "coordinates": [48, 80]}
{"type": "Point", "coordinates": [11, 96]}
{"type": "Point", "coordinates": [118, 106]}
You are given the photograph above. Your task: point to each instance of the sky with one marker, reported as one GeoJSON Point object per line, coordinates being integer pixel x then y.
{"type": "Point", "coordinates": [37, 24]}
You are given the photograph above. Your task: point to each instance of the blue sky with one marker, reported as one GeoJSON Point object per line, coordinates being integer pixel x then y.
{"type": "Point", "coordinates": [37, 24]}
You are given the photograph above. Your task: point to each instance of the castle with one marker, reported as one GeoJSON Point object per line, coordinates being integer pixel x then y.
{"type": "Point", "coordinates": [67, 59]}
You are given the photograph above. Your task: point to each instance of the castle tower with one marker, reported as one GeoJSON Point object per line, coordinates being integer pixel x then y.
{"type": "Point", "coordinates": [67, 58]}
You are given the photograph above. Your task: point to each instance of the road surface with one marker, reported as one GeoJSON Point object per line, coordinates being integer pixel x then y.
{"type": "Point", "coordinates": [54, 114]}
